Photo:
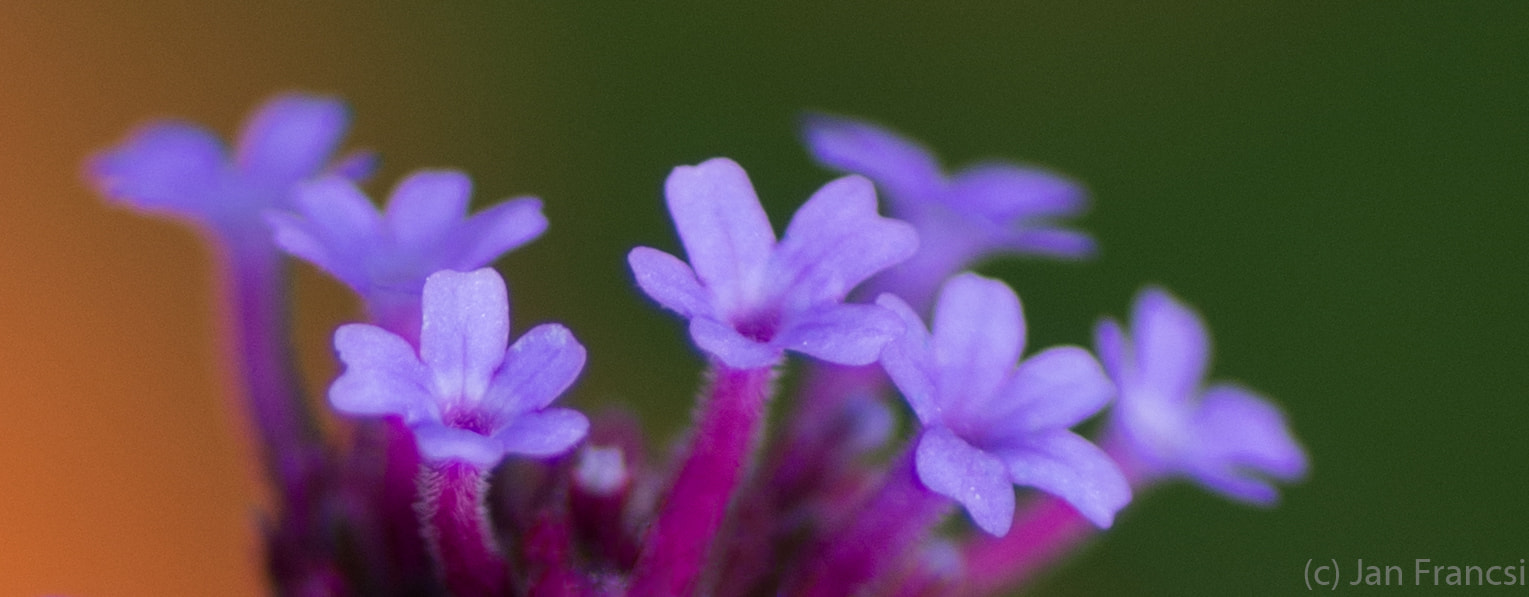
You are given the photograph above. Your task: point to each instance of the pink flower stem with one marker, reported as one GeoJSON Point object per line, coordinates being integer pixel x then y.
{"type": "Point", "coordinates": [457, 530]}
{"type": "Point", "coordinates": [880, 535]}
{"type": "Point", "coordinates": [677, 546]}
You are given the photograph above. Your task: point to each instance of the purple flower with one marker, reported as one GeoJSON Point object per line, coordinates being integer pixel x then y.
{"type": "Point", "coordinates": [748, 298]}
{"type": "Point", "coordinates": [463, 394]}
{"type": "Point", "coordinates": [1224, 436]}
{"type": "Point", "coordinates": [983, 210]}
{"type": "Point", "coordinates": [989, 425]}
{"type": "Point", "coordinates": [385, 256]}
{"type": "Point", "coordinates": [184, 170]}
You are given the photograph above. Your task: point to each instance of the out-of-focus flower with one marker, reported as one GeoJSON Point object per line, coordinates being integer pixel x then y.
{"type": "Point", "coordinates": [386, 255]}
{"type": "Point", "coordinates": [748, 298]}
{"type": "Point", "coordinates": [1225, 437]}
{"type": "Point", "coordinates": [181, 169]}
{"type": "Point", "coordinates": [983, 210]}
{"type": "Point", "coordinates": [465, 396]}
{"type": "Point", "coordinates": [989, 425]}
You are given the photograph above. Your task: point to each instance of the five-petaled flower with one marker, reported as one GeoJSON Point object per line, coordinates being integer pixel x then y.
{"type": "Point", "coordinates": [749, 299]}
{"type": "Point", "coordinates": [989, 425]}
{"type": "Point", "coordinates": [386, 256]}
{"type": "Point", "coordinates": [184, 170]}
{"type": "Point", "coordinates": [1225, 437]}
{"type": "Point", "coordinates": [465, 396]}
{"type": "Point", "coordinates": [983, 210]}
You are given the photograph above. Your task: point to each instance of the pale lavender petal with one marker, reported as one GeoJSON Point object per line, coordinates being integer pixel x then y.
{"type": "Point", "coordinates": [357, 166]}
{"type": "Point", "coordinates": [291, 138]}
{"type": "Point", "coordinates": [949, 466]}
{"type": "Point", "coordinates": [439, 443]}
{"type": "Point", "coordinates": [167, 166]}
{"type": "Point", "coordinates": [1005, 194]}
{"type": "Point", "coordinates": [732, 348]}
{"type": "Point", "coordinates": [1172, 346]}
{"type": "Point", "coordinates": [544, 433]}
{"type": "Point", "coordinates": [669, 281]}
{"type": "Point", "coordinates": [725, 231]}
{"type": "Point", "coordinates": [1071, 468]}
{"type": "Point", "coordinates": [297, 237]}
{"type": "Point", "coordinates": [490, 233]}
{"type": "Point", "coordinates": [979, 333]}
{"type": "Point", "coordinates": [903, 168]}
{"type": "Point", "coordinates": [1054, 242]}
{"type": "Point", "coordinates": [425, 207]}
{"type": "Point", "coordinates": [835, 241]}
{"type": "Point", "coordinates": [1056, 388]}
{"type": "Point", "coordinates": [842, 334]}
{"type": "Point", "coordinates": [1242, 439]}
{"type": "Point", "coordinates": [538, 368]}
{"type": "Point", "coordinates": [466, 325]}
{"type": "Point", "coordinates": [341, 218]}
{"type": "Point", "coordinates": [907, 358]}
{"type": "Point", "coordinates": [382, 375]}
{"type": "Point", "coordinates": [1113, 349]}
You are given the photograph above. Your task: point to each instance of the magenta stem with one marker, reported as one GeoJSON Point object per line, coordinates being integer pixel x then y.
{"type": "Point", "coordinates": [457, 530]}
{"type": "Point", "coordinates": [880, 535]}
{"type": "Point", "coordinates": [678, 544]}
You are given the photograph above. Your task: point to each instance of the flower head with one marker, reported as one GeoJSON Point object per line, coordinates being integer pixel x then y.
{"type": "Point", "coordinates": [980, 211]}
{"type": "Point", "coordinates": [989, 425]}
{"type": "Point", "coordinates": [184, 170]}
{"type": "Point", "coordinates": [465, 396]}
{"type": "Point", "coordinates": [749, 298]}
{"type": "Point", "coordinates": [1225, 437]}
{"type": "Point", "coordinates": [386, 255]}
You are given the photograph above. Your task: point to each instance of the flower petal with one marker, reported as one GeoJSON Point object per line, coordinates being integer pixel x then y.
{"type": "Point", "coordinates": [166, 166]}
{"type": "Point", "coordinates": [949, 466]}
{"type": "Point", "coordinates": [835, 241]}
{"type": "Point", "coordinates": [439, 443]}
{"type": "Point", "coordinates": [544, 433]}
{"type": "Point", "coordinates": [843, 334]}
{"type": "Point", "coordinates": [1054, 389]}
{"type": "Point", "coordinates": [291, 137]}
{"type": "Point", "coordinates": [497, 230]}
{"type": "Point", "coordinates": [466, 324]}
{"type": "Point", "coordinates": [1053, 242]}
{"type": "Point", "coordinates": [1071, 468]}
{"type": "Point", "coordinates": [1008, 194]}
{"type": "Point", "coordinates": [424, 208]}
{"type": "Point", "coordinates": [1114, 350]}
{"type": "Point", "coordinates": [382, 375]}
{"type": "Point", "coordinates": [726, 234]}
{"type": "Point", "coordinates": [907, 359]}
{"type": "Point", "coordinates": [1172, 346]}
{"type": "Point", "coordinates": [669, 281]}
{"type": "Point", "coordinates": [341, 218]}
{"type": "Point", "coordinates": [538, 368]}
{"type": "Point", "coordinates": [979, 332]}
{"type": "Point", "coordinates": [732, 348]}
{"type": "Point", "coordinates": [904, 169]}
{"type": "Point", "coordinates": [1241, 438]}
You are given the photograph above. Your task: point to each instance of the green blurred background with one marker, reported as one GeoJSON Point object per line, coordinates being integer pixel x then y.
{"type": "Point", "coordinates": [1340, 188]}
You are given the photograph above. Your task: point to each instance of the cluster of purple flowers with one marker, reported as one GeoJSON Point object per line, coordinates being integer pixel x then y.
{"type": "Point", "coordinates": [462, 476]}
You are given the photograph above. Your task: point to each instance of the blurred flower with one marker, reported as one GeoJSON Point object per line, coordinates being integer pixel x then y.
{"type": "Point", "coordinates": [989, 425]}
{"type": "Point", "coordinates": [182, 169]}
{"type": "Point", "coordinates": [984, 210]}
{"type": "Point", "coordinates": [385, 256]}
{"type": "Point", "coordinates": [1225, 437]}
{"type": "Point", "coordinates": [463, 394]}
{"type": "Point", "coordinates": [748, 298]}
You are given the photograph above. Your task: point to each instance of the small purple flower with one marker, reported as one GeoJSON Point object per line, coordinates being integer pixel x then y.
{"type": "Point", "coordinates": [463, 394]}
{"type": "Point", "coordinates": [748, 298]}
{"type": "Point", "coordinates": [184, 170]}
{"type": "Point", "coordinates": [983, 210]}
{"type": "Point", "coordinates": [385, 256]}
{"type": "Point", "coordinates": [989, 425]}
{"type": "Point", "coordinates": [1225, 437]}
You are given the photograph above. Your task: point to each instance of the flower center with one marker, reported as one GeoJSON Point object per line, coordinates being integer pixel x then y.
{"type": "Point", "coordinates": [760, 326]}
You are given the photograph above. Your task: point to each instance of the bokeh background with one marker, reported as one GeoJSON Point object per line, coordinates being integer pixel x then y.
{"type": "Point", "coordinates": [1341, 189]}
